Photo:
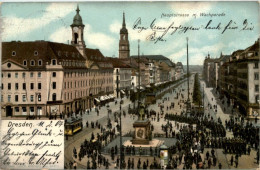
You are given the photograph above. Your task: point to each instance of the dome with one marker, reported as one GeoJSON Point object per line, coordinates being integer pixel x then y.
{"type": "Point", "coordinates": [77, 20]}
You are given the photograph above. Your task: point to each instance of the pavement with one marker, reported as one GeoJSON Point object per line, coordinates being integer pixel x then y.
{"type": "Point", "coordinates": [245, 161]}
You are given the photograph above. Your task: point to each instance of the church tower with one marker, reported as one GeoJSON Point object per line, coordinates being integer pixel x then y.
{"type": "Point", "coordinates": [124, 47]}
{"type": "Point", "coordinates": [77, 28]}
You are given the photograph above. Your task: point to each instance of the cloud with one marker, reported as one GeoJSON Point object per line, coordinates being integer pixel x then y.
{"type": "Point", "coordinates": [14, 26]}
{"type": "Point", "coordinates": [191, 7]}
{"type": "Point", "coordinates": [133, 34]}
{"type": "Point", "coordinates": [196, 55]}
{"type": "Point", "coordinates": [61, 35]}
{"type": "Point", "coordinates": [92, 38]}
{"type": "Point", "coordinates": [97, 39]}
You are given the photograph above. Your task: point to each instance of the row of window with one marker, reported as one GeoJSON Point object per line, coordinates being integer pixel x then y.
{"type": "Point", "coordinates": [9, 75]}
{"type": "Point", "coordinates": [9, 86]}
{"type": "Point", "coordinates": [89, 73]}
{"type": "Point", "coordinates": [35, 53]}
{"type": "Point", "coordinates": [24, 109]}
{"type": "Point", "coordinates": [33, 63]}
{"type": "Point", "coordinates": [24, 98]}
{"type": "Point", "coordinates": [83, 83]}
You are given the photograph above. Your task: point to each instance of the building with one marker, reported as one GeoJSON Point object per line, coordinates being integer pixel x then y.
{"type": "Point", "coordinates": [124, 46]}
{"type": "Point", "coordinates": [43, 78]}
{"type": "Point", "coordinates": [39, 77]}
{"type": "Point", "coordinates": [122, 77]}
{"type": "Point", "coordinates": [179, 71]}
{"type": "Point", "coordinates": [154, 74]}
{"type": "Point", "coordinates": [236, 77]}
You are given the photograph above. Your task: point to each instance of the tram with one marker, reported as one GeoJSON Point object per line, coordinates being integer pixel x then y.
{"type": "Point", "coordinates": [73, 125]}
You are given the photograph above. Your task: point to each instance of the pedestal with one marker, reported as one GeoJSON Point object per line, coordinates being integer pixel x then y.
{"type": "Point", "coordinates": [142, 132]}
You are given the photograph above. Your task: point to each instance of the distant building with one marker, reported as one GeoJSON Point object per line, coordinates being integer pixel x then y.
{"type": "Point", "coordinates": [121, 76]}
{"type": "Point", "coordinates": [124, 46]}
{"type": "Point", "coordinates": [179, 71]}
{"type": "Point", "coordinates": [236, 77]}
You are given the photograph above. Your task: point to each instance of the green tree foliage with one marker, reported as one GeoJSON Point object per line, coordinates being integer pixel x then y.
{"type": "Point", "coordinates": [196, 91]}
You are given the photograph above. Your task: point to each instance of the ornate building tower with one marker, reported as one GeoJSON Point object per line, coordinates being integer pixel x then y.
{"type": "Point", "coordinates": [77, 28]}
{"type": "Point", "coordinates": [124, 47]}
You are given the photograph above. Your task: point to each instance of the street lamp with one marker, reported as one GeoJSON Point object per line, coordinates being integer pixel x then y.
{"type": "Point", "coordinates": [120, 131]}
{"type": "Point", "coordinates": [188, 81]}
{"type": "Point", "coordinates": [139, 78]}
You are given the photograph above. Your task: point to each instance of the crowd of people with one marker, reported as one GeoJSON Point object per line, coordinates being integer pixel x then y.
{"type": "Point", "coordinates": [194, 133]}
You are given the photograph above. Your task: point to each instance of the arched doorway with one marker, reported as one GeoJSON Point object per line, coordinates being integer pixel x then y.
{"type": "Point", "coordinates": [9, 111]}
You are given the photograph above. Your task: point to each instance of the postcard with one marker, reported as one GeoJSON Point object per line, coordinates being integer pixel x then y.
{"type": "Point", "coordinates": [130, 85]}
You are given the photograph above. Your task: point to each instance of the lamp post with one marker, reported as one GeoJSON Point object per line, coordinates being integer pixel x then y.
{"type": "Point", "coordinates": [203, 99]}
{"type": "Point", "coordinates": [139, 78]}
{"type": "Point", "coordinates": [188, 80]}
{"type": "Point", "coordinates": [120, 131]}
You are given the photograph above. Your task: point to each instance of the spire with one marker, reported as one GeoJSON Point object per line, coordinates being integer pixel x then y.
{"type": "Point", "coordinates": [123, 19]}
{"type": "Point", "coordinates": [77, 9]}
{"type": "Point", "coordinates": [123, 29]}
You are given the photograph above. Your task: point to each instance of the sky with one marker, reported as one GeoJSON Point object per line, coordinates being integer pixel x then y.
{"type": "Point", "coordinates": [103, 21]}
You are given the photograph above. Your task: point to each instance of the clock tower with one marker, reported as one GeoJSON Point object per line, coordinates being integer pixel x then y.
{"type": "Point", "coordinates": [77, 28]}
{"type": "Point", "coordinates": [124, 47]}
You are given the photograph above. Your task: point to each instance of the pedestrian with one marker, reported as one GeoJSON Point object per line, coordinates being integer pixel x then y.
{"type": "Point", "coordinates": [219, 166]}
{"type": "Point", "coordinates": [75, 165]}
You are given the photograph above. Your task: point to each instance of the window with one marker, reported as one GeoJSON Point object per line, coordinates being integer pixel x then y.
{"type": "Point", "coordinates": [24, 109]}
{"type": "Point", "coordinates": [54, 85]}
{"type": "Point", "coordinates": [32, 62]}
{"type": "Point", "coordinates": [39, 86]}
{"type": "Point", "coordinates": [24, 98]}
{"type": "Point", "coordinates": [31, 98]}
{"type": "Point", "coordinates": [32, 86]}
{"type": "Point", "coordinates": [16, 109]}
{"type": "Point", "coordinates": [54, 62]}
{"type": "Point", "coordinates": [24, 75]}
{"type": "Point", "coordinates": [9, 75]}
{"type": "Point", "coordinates": [256, 76]}
{"type": "Point", "coordinates": [32, 109]}
{"type": "Point", "coordinates": [24, 62]}
{"type": "Point", "coordinates": [257, 99]}
{"type": "Point", "coordinates": [16, 86]}
{"type": "Point", "coordinates": [2, 98]}
{"type": "Point", "coordinates": [39, 97]}
{"type": "Point", "coordinates": [54, 97]}
{"type": "Point", "coordinates": [9, 65]}
{"type": "Point", "coordinates": [31, 74]}
{"type": "Point", "coordinates": [24, 86]}
{"type": "Point", "coordinates": [13, 53]}
{"type": "Point", "coordinates": [16, 98]}
{"type": "Point", "coordinates": [2, 87]}
{"type": "Point", "coordinates": [39, 74]}
{"type": "Point", "coordinates": [9, 98]}
{"type": "Point", "coordinates": [16, 75]}
{"type": "Point", "coordinates": [256, 65]}
{"type": "Point", "coordinates": [9, 86]}
{"type": "Point", "coordinates": [35, 53]}
{"type": "Point", "coordinates": [53, 74]}
{"type": "Point", "coordinates": [256, 88]}
{"type": "Point", "coordinates": [40, 62]}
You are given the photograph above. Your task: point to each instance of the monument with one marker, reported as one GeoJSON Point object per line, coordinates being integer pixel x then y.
{"type": "Point", "coordinates": [142, 134]}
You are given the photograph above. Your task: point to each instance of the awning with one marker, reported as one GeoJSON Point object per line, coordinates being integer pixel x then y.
{"type": "Point", "coordinates": [102, 98]}
{"type": "Point", "coordinates": [97, 100]}
{"type": "Point", "coordinates": [111, 96]}
{"type": "Point", "coordinates": [107, 97]}
{"type": "Point", "coordinates": [122, 91]}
